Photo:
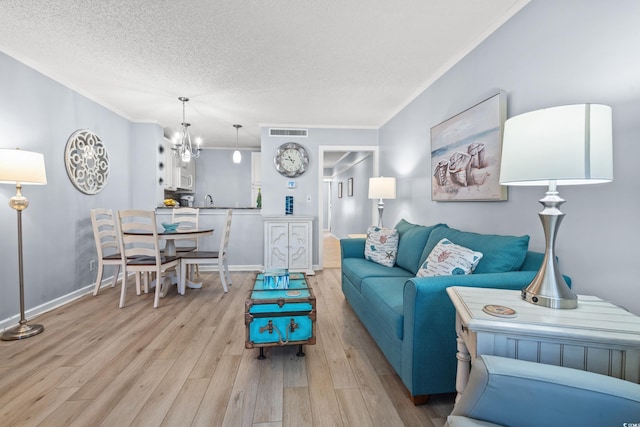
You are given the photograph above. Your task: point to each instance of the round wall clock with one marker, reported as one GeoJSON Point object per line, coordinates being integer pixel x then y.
{"type": "Point", "coordinates": [87, 161]}
{"type": "Point", "coordinates": [291, 159]}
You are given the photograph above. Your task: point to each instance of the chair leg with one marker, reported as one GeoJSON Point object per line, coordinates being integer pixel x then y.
{"type": "Point", "coordinates": [159, 279]}
{"type": "Point", "coordinates": [182, 277]}
{"type": "Point", "coordinates": [96, 288]}
{"type": "Point", "coordinates": [115, 276]}
{"type": "Point", "coordinates": [138, 283]}
{"type": "Point", "coordinates": [223, 279]}
{"type": "Point", "coordinates": [226, 271]}
{"type": "Point", "coordinates": [123, 287]}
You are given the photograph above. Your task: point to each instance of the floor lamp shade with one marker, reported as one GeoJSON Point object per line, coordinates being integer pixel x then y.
{"type": "Point", "coordinates": [567, 145]}
{"type": "Point", "coordinates": [19, 168]}
{"type": "Point", "coordinates": [24, 167]}
{"type": "Point", "coordinates": [382, 188]}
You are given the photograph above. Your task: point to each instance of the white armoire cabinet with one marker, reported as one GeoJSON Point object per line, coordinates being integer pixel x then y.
{"type": "Point", "coordinates": [288, 243]}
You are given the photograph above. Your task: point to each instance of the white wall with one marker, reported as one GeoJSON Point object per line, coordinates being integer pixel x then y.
{"type": "Point", "coordinates": [551, 53]}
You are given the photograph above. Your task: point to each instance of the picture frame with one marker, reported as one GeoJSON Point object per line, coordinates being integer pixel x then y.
{"type": "Point", "coordinates": [350, 187]}
{"type": "Point", "coordinates": [466, 151]}
{"type": "Point", "coordinates": [340, 190]}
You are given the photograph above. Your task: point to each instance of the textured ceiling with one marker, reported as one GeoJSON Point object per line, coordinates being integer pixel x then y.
{"type": "Point", "coordinates": [349, 63]}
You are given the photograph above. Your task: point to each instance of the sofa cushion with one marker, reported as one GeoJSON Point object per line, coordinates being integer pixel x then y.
{"type": "Point", "coordinates": [501, 253]}
{"type": "Point", "coordinates": [386, 295]}
{"type": "Point", "coordinates": [413, 238]}
{"type": "Point", "coordinates": [382, 245]}
{"type": "Point", "coordinates": [358, 269]}
{"type": "Point", "coordinates": [449, 259]}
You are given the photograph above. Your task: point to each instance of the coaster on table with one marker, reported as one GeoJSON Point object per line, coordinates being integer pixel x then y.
{"type": "Point", "coordinates": [294, 293]}
{"type": "Point", "coordinates": [499, 310]}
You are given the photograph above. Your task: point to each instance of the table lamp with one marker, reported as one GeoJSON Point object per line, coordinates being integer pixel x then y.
{"type": "Point", "coordinates": [567, 145]}
{"type": "Point", "coordinates": [382, 188]}
{"type": "Point", "coordinates": [21, 168]}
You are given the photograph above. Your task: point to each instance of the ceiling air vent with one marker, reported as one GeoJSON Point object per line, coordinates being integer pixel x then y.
{"type": "Point", "coordinates": [301, 133]}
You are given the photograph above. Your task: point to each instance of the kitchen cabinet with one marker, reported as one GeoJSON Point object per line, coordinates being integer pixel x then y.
{"type": "Point", "coordinates": [288, 243]}
{"type": "Point", "coordinates": [187, 176]}
{"type": "Point", "coordinates": [169, 170]}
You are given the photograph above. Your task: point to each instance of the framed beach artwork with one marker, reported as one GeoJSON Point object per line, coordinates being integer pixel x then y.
{"type": "Point", "coordinates": [465, 153]}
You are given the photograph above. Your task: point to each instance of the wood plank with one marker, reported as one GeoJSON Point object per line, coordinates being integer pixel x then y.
{"type": "Point", "coordinates": [185, 364]}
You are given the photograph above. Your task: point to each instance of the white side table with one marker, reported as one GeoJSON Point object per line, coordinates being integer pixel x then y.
{"type": "Point", "coordinates": [597, 336]}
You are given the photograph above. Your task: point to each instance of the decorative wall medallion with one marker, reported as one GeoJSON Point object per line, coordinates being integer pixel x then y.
{"type": "Point", "coordinates": [87, 161]}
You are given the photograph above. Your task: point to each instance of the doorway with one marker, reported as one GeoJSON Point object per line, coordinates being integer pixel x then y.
{"type": "Point", "coordinates": [324, 206]}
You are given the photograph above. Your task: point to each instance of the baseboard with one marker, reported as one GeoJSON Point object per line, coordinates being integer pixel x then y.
{"type": "Point", "coordinates": [72, 296]}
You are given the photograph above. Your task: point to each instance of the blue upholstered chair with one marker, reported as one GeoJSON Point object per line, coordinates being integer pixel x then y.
{"type": "Point", "coordinates": [509, 392]}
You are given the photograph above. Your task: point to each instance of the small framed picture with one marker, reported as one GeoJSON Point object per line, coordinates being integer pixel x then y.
{"type": "Point", "coordinates": [350, 187]}
{"type": "Point", "coordinates": [340, 190]}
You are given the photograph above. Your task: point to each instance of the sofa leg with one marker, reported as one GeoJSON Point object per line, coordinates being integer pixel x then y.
{"type": "Point", "coordinates": [419, 400]}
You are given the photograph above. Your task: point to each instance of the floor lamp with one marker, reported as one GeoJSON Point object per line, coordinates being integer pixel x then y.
{"type": "Point", "coordinates": [20, 167]}
{"type": "Point", "coordinates": [568, 145]}
{"type": "Point", "coordinates": [382, 188]}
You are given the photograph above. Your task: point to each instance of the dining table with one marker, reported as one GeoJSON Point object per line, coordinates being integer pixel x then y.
{"type": "Point", "coordinates": [170, 237]}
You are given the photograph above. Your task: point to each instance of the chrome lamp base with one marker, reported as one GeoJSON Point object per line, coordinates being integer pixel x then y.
{"type": "Point", "coordinates": [380, 210]}
{"type": "Point", "coordinates": [22, 331]}
{"type": "Point", "coordinates": [548, 288]}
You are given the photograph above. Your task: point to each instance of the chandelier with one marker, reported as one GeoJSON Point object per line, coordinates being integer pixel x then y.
{"type": "Point", "coordinates": [182, 145]}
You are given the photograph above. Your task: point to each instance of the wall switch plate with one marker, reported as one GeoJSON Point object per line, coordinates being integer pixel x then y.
{"type": "Point", "coordinates": [92, 265]}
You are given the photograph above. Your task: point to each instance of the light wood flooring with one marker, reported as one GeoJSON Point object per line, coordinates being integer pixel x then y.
{"type": "Point", "coordinates": [184, 364]}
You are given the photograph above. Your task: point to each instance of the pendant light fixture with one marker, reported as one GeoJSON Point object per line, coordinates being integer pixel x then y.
{"type": "Point", "coordinates": [182, 145]}
{"type": "Point", "coordinates": [237, 157]}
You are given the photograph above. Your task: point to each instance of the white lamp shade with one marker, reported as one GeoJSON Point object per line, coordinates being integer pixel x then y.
{"type": "Point", "coordinates": [570, 145]}
{"type": "Point", "coordinates": [237, 157]}
{"type": "Point", "coordinates": [382, 188]}
{"type": "Point", "coordinates": [24, 167]}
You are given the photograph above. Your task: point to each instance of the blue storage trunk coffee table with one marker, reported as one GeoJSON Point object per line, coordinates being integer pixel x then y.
{"type": "Point", "coordinates": [277, 317]}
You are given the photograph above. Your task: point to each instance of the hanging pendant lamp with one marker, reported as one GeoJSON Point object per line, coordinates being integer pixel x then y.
{"type": "Point", "coordinates": [182, 145]}
{"type": "Point", "coordinates": [237, 157]}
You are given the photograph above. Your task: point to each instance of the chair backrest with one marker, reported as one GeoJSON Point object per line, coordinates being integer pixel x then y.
{"type": "Point", "coordinates": [224, 241]}
{"type": "Point", "coordinates": [143, 244]}
{"type": "Point", "coordinates": [188, 218]}
{"type": "Point", "coordinates": [105, 232]}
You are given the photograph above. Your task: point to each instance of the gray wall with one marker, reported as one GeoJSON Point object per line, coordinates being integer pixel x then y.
{"type": "Point", "coordinates": [551, 53]}
{"type": "Point", "coordinates": [38, 114]}
{"type": "Point", "coordinates": [352, 214]}
{"type": "Point", "coordinates": [274, 185]}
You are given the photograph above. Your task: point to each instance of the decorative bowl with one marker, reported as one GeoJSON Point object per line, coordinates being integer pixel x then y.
{"type": "Point", "coordinates": [170, 226]}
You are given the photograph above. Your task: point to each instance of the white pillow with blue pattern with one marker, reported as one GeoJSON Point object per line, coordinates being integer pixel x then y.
{"type": "Point", "coordinates": [449, 259]}
{"type": "Point", "coordinates": [382, 245]}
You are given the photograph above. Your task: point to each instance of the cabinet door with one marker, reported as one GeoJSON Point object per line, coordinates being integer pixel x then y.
{"type": "Point", "coordinates": [277, 245]}
{"type": "Point", "coordinates": [299, 246]}
{"type": "Point", "coordinates": [170, 171]}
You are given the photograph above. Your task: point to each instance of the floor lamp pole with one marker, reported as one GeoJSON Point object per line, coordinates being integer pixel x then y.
{"type": "Point", "coordinates": [23, 330]}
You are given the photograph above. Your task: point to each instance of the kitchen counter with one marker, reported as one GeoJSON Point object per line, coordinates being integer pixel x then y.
{"type": "Point", "coordinates": [214, 208]}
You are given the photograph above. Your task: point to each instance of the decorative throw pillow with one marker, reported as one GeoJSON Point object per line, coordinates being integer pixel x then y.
{"type": "Point", "coordinates": [382, 245]}
{"type": "Point", "coordinates": [447, 259]}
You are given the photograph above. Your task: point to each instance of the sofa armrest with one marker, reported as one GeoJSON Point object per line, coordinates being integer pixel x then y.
{"type": "Point", "coordinates": [429, 326]}
{"type": "Point", "coordinates": [352, 248]}
{"type": "Point", "coordinates": [546, 395]}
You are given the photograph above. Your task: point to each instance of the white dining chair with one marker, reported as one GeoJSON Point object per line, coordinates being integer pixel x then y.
{"type": "Point", "coordinates": [107, 241]}
{"type": "Point", "coordinates": [141, 252]}
{"type": "Point", "coordinates": [218, 258]}
{"type": "Point", "coordinates": [187, 218]}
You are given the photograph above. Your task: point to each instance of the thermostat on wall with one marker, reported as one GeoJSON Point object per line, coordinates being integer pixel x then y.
{"type": "Point", "coordinates": [291, 184]}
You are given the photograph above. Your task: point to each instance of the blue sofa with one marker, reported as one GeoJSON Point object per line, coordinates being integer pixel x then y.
{"type": "Point", "coordinates": [412, 319]}
{"type": "Point", "coordinates": [546, 395]}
